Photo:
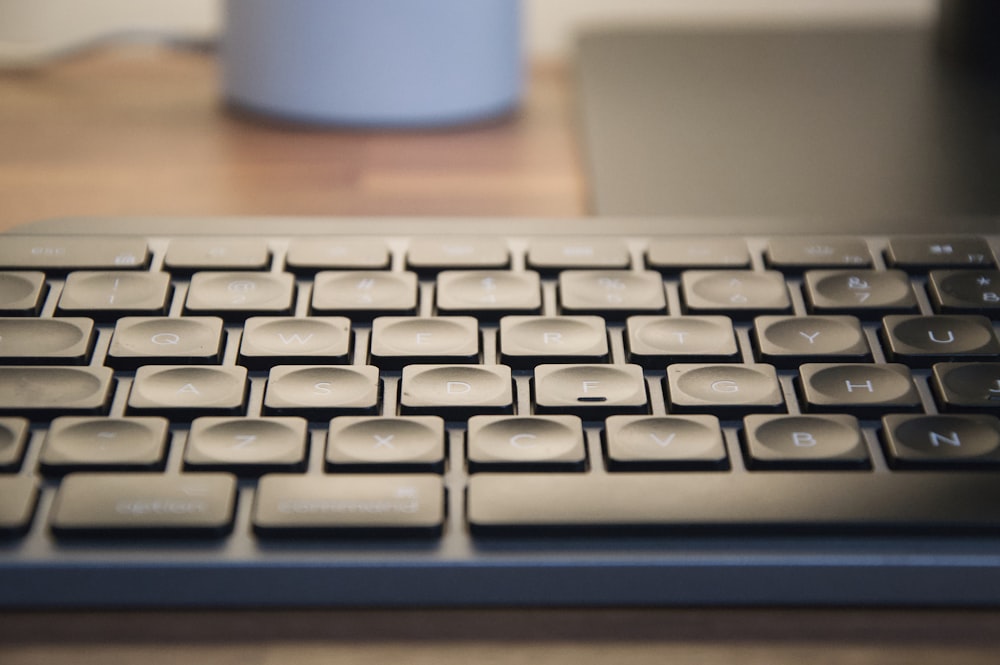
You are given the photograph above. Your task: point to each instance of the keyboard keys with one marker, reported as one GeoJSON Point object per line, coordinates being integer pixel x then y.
{"type": "Point", "coordinates": [941, 441]}
{"type": "Point", "coordinates": [525, 443]}
{"type": "Point", "coordinates": [965, 291]}
{"type": "Point", "coordinates": [611, 292]}
{"type": "Point", "coordinates": [967, 386]}
{"type": "Point", "coordinates": [727, 391]}
{"type": "Point", "coordinates": [922, 340]}
{"type": "Point", "coordinates": [321, 390]}
{"type": "Point", "coordinates": [51, 391]}
{"type": "Point", "coordinates": [13, 436]}
{"type": "Point", "coordinates": [217, 254]}
{"type": "Point", "coordinates": [920, 254]}
{"type": "Point", "coordinates": [63, 341]}
{"type": "Point", "coordinates": [559, 254]}
{"type": "Point", "coordinates": [405, 505]}
{"type": "Point", "coordinates": [65, 253]}
{"type": "Point", "coordinates": [526, 341]}
{"type": "Point", "coordinates": [804, 442]}
{"type": "Point", "coordinates": [106, 294]}
{"type": "Point", "coordinates": [450, 253]}
{"type": "Point", "coordinates": [186, 392]}
{"type": "Point", "coordinates": [312, 254]}
{"type": "Point", "coordinates": [269, 341]}
{"type": "Point", "coordinates": [135, 503]}
{"type": "Point", "coordinates": [365, 294]}
{"type": "Point", "coordinates": [802, 253]}
{"type": "Point", "coordinates": [247, 446]}
{"type": "Point", "coordinates": [654, 341]}
{"type": "Point", "coordinates": [238, 295]}
{"type": "Point", "coordinates": [104, 444]}
{"type": "Point", "coordinates": [677, 254]}
{"type": "Point", "coordinates": [191, 340]}
{"type": "Point", "coordinates": [788, 341]}
{"type": "Point", "coordinates": [456, 391]}
{"type": "Point", "coordinates": [386, 444]}
{"type": "Point", "coordinates": [399, 341]}
{"type": "Point", "coordinates": [18, 497]}
{"type": "Point", "coordinates": [21, 293]}
{"type": "Point", "coordinates": [736, 293]}
{"type": "Point", "coordinates": [860, 292]}
{"type": "Point", "coordinates": [635, 443]}
{"type": "Point", "coordinates": [590, 391]}
{"type": "Point", "coordinates": [858, 389]}
{"type": "Point", "coordinates": [488, 293]}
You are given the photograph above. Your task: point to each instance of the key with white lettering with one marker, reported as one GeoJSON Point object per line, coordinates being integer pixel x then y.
{"type": "Point", "coordinates": [386, 444]}
{"type": "Point", "coordinates": [62, 341]}
{"type": "Point", "coordinates": [365, 294]}
{"type": "Point", "coordinates": [590, 391]}
{"type": "Point", "coordinates": [321, 390]}
{"type": "Point", "coordinates": [723, 390]}
{"type": "Point", "coordinates": [634, 443]}
{"type": "Point", "coordinates": [488, 293]}
{"type": "Point", "coordinates": [217, 254]}
{"type": "Point", "coordinates": [735, 293]}
{"type": "Point", "coordinates": [552, 254]}
{"type": "Point", "coordinates": [526, 443]}
{"type": "Point", "coordinates": [685, 253]}
{"type": "Point", "coordinates": [247, 446]}
{"type": "Point", "coordinates": [868, 293]}
{"type": "Point", "coordinates": [923, 340]}
{"type": "Point", "coordinates": [789, 341]}
{"type": "Point", "coordinates": [456, 391]}
{"type": "Point", "coordinates": [104, 444]}
{"type": "Point", "coordinates": [21, 293]}
{"type": "Point", "coordinates": [329, 253]}
{"type": "Point", "coordinates": [397, 504]}
{"type": "Point", "coordinates": [402, 340]}
{"type": "Point", "coordinates": [450, 253]}
{"type": "Point", "coordinates": [526, 341]}
{"type": "Point", "coordinates": [804, 442]}
{"type": "Point", "coordinates": [611, 292]}
{"type": "Point", "coordinates": [52, 391]}
{"type": "Point", "coordinates": [182, 391]}
{"type": "Point", "coordinates": [859, 389]}
{"type": "Point", "coordinates": [281, 340]}
{"type": "Point", "coordinates": [920, 254]}
{"type": "Point", "coordinates": [155, 340]}
{"type": "Point", "coordinates": [942, 441]}
{"type": "Point", "coordinates": [965, 291]}
{"type": "Point", "coordinates": [64, 253]}
{"type": "Point", "coordinates": [237, 295]}
{"type": "Point", "coordinates": [801, 253]}
{"type": "Point", "coordinates": [106, 294]}
{"type": "Point", "coordinates": [967, 386]}
{"type": "Point", "coordinates": [144, 503]}
{"type": "Point", "coordinates": [654, 341]}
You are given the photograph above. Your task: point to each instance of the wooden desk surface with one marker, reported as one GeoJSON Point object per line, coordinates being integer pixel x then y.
{"type": "Point", "coordinates": [142, 132]}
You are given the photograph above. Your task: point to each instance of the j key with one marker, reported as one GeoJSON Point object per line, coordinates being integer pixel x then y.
{"type": "Point", "coordinates": [525, 443]}
{"type": "Point", "coordinates": [922, 340]}
{"type": "Point", "coordinates": [237, 295]}
{"type": "Point", "coordinates": [63, 341]}
{"type": "Point", "coordinates": [50, 391]}
{"type": "Point", "coordinates": [488, 292]}
{"type": "Point", "coordinates": [143, 340]}
{"type": "Point", "coordinates": [920, 254]}
{"type": "Point", "coordinates": [401, 340]}
{"type": "Point", "coordinates": [365, 294]}
{"type": "Point", "coordinates": [634, 443]}
{"type": "Point", "coordinates": [401, 504]}
{"type": "Point", "coordinates": [218, 254]}
{"type": "Point", "coordinates": [917, 441]}
{"type": "Point", "coordinates": [784, 502]}
{"type": "Point", "coordinates": [104, 444]}
{"type": "Point", "coordinates": [788, 341]}
{"type": "Point", "coordinates": [794, 254]}
{"type": "Point", "coordinates": [312, 254]}
{"type": "Point", "coordinates": [526, 341]}
{"type": "Point", "coordinates": [456, 391]}
{"type": "Point", "coordinates": [386, 444]}
{"type": "Point", "coordinates": [247, 446]}
{"type": "Point", "coordinates": [553, 254]}
{"type": "Point", "coordinates": [18, 496]}
{"type": "Point", "coordinates": [106, 294]}
{"type": "Point", "coordinates": [13, 436]}
{"type": "Point", "coordinates": [269, 341]}
{"type": "Point", "coordinates": [109, 503]}
{"type": "Point", "coordinates": [181, 391]}
{"type": "Point", "coordinates": [448, 253]}
{"type": "Point", "coordinates": [679, 254]}
{"type": "Point", "coordinates": [965, 291]}
{"type": "Point", "coordinates": [591, 391]}
{"type": "Point", "coordinates": [21, 293]}
{"type": "Point", "coordinates": [804, 442]}
{"type": "Point", "coordinates": [967, 386]}
{"type": "Point", "coordinates": [723, 390]}
{"type": "Point", "coordinates": [738, 293]}
{"type": "Point", "coordinates": [611, 292]}
{"type": "Point", "coordinates": [321, 390]}
{"type": "Point", "coordinates": [859, 292]}
{"type": "Point", "coordinates": [654, 341]}
{"type": "Point", "coordinates": [64, 253]}
{"type": "Point", "coordinates": [859, 389]}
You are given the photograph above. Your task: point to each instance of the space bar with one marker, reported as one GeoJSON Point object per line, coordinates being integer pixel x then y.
{"type": "Point", "coordinates": [785, 501]}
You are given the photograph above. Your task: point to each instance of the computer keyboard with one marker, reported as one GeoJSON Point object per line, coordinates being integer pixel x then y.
{"type": "Point", "coordinates": [261, 412]}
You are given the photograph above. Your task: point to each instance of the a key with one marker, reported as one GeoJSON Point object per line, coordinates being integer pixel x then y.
{"type": "Point", "coordinates": [105, 294]}
{"type": "Point", "coordinates": [51, 391]}
{"type": "Point", "coordinates": [552, 254]}
{"type": "Point", "coordinates": [452, 253]}
{"type": "Point", "coordinates": [921, 254]}
{"type": "Point", "coordinates": [611, 292]}
{"type": "Point", "coordinates": [104, 444]}
{"type": "Point", "coordinates": [397, 341]}
{"type": "Point", "coordinates": [62, 341]}
{"type": "Point", "coordinates": [525, 443]}
{"type": "Point", "coordinates": [735, 293]}
{"type": "Point", "coordinates": [13, 437]}
{"type": "Point", "coordinates": [654, 341]}
{"type": "Point", "coordinates": [804, 442]}
{"type": "Point", "coordinates": [803, 253]}
{"type": "Point", "coordinates": [182, 391]}
{"type": "Point", "coordinates": [728, 390]}
{"type": "Point", "coordinates": [386, 444]}
{"type": "Point", "coordinates": [965, 291]}
{"type": "Point", "coordinates": [590, 391]}
{"type": "Point", "coordinates": [941, 441]}
{"type": "Point", "coordinates": [399, 504]}
{"type": "Point", "coordinates": [789, 341]}
{"type": "Point", "coordinates": [65, 253]}
{"type": "Point", "coordinates": [21, 293]}
{"type": "Point", "coordinates": [217, 254]}
{"type": "Point", "coordinates": [967, 386]}
{"type": "Point", "coordinates": [868, 293]}
{"type": "Point", "coordinates": [313, 254]}
{"type": "Point", "coordinates": [488, 293]}
{"type": "Point", "coordinates": [321, 390]}
{"type": "Point", "coordinates": [923, 340]}
{"type": "Point", "coordinates": [365, 294]}
{"type": "Point", "coordinates": [456, 391]}
{"type": "Point", "coordinates": [636, 443]}
{"type": "Point", "coordinates": [686, 253]}
{"type": "Point", "coordinates": [858, 389]}
{"type": "Point", "coordinates": [135, 503]}
{"type": "Point", "coordinates": [18, 497]}
{"type": "Point", "coordinates": [280, 340]}
{"type": "Point", "coordinates": [190, 340]}
{"type": "Point", "coordinates": [247, 446]}
{"type": "Point", "coordinates": [238, 295]}
{"type": "Point", "coordinates": [526, 341]}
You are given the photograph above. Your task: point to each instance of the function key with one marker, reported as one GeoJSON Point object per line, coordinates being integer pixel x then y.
{"type": "Point", "coordinates": [64, 253]}
{"type": "Point", "coordinates": [525, 443]}
{"type": "Point", "coordinates": [861, 389]}
{"type": "Point", "coordinates": [21, 293]}
{"type": "Point", "coordinates": [965, 291]}
{"type": "Point", "coordinates": [140, 340]}
{"type": "Point", "coordinates": [870, 293]}
{"type": "Point", "coordinates": [402, 340]}
{"type": "Point", "coordinates": [238, 295]}
{"type": "Point", "coordinates": [918, 441]}
{"type": "Point", "coordinates": [50, 391]}
{"type": "Point", "coordinates": [247, 446]}
{"type": "Point", "coordinates": [724, 390]}
{"type": "Point", "coordinates": [106, 294]}
{"type": "Point", "coordinates": [279, 340]}
{"type": "Point", "coordinates": [922, 340]}
{"type": "Point", "coordinates": [802, 253]}
{"type": "Point", "coordinates": [741, 293]}
{"type": "Point", "coordinates": [365, 294]}
{"type": "Point", "coordinates": [13, 436]}
{"type": "Point", "coordinates": [486, 292]}
{"type": "Point", "coordinates": [105, 444]}
{"type": "Point", "coordinates": [611, 292]}
{"type": "Point", "coordinates": [677, 254]}
{"type": "Point", "coordinates": [528, 340]}
{"type": "Point", "coordinates": [919, 254]}
{"type": "Point", "coordinates": [658, 340]}
{"type": "Point", "coordinates": [217, 254]}
{"type": "Point", "coordinates": [18, 497]}
{"type": "Point", "coordinates": [967, 386]}
{"type": "Point", "coordinates": [804, 442]}
{"type": "Point", "coordinates": [635, 443]}
{"type": "Point", "coordinates": [788, 341]}
{"type": "Point", "coordinates": [64, 341]}
{"type": "Point", "coordinates": [444, 253]}
{"type": "Point", "coordinates": [312, 254]}
{"type": "Point", "coordinates": [552, 254]}
{"type": "Point", "coordinates": [386, 444]}
{"type": "Point", "coordinates": [593, 391]}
